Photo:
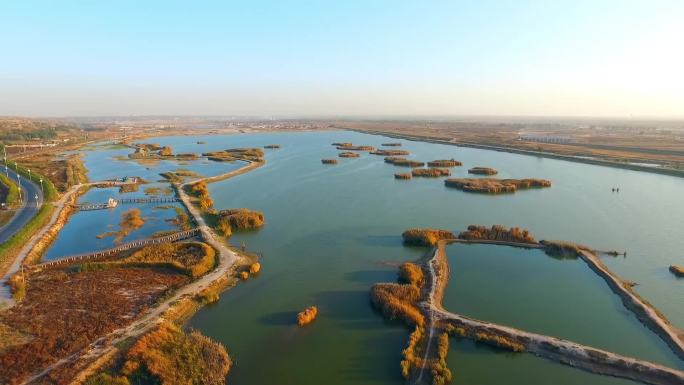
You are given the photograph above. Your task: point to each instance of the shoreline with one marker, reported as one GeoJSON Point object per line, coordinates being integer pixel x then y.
{"type": "Point", "coordinates": [550, 155]}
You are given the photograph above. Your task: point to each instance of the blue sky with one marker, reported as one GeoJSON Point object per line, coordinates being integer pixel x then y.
{"type": "Point", "coordinates": [342, 58]}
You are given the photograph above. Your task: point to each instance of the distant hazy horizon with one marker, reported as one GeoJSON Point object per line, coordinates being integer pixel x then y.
{"type": "Point", "coordinates": [355, 59]}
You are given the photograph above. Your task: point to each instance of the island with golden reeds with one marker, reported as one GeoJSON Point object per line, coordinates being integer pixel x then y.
{"type": "Point", "coordinates": [482, 171]}
{"type": "Point", "coordinates": [495, 186]}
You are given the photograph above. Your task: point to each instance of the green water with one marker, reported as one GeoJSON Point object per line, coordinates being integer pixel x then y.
{"type": "Point", "coordinates": [333, 231]}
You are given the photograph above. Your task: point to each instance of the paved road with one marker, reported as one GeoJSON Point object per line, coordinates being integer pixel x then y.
{"type": "Point", "coordinates": [23, 215]}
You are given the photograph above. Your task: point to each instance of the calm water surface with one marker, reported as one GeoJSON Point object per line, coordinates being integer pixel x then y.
{"type": "Point", "coordinates": [333, 231]}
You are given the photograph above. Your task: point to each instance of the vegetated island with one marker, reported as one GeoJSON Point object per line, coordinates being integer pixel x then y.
{"type": "Point", "coordinates": [430, 172]}
{"type": "Point", "coordinates": [495, 186]}
{"type": "Point", "coordinates": [425, 237]}
{"type": "Point", "coordinates": [329, 161]}
{"type": "Point", "coordinates": [351, 147]}
{"type": "Point", "coordinates": [391, 152]}
{"type": "Point", "coordinates": [342, 144]}
{"type": "Point", "coordinates": [272, 146]}
{"type": "Point", "coordinates": [403, 162]}
{"type": "Point", "coordinates": [251, 154]}
{"type": "Point", "coordinates": [483, 171]}
{"type": "Point", "coordinates": [307, 316]}
{"type": "Point", "coordinates": [497, 233]}
{"type": "Point", "coordinates": [155, 151]}
{"type": "Point", "coordinates": [393, 144]}
{"type": "Point", "coordinates": [238, 219]}
{"type": "Point", "coordinates": [444, 163]}
{"type": "Point", "coordinates": [348, 154]}
{"type": "Point", "coordinates": [402, 175]}
{"type": "Point", "coordinates": [677, 270]}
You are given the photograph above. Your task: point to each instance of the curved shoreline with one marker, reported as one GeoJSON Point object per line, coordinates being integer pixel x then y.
{"type": "Point", "coordinates": [436, 267]}
{"type": "Point", "coordinates": [569, 158]}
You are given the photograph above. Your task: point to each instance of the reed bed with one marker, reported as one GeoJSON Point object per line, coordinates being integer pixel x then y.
{"type": "Point", "coordinates": [356, 148]}
{"type": "Point", "coordinates": [329, 161]}
{"type": "Point", "coordinates": [430, 172]}
{"type": "Point", "coordinates": [495, 186]}
{"type": "Point", "coordinates": [483, 171]}
{"type": "Point", "coordinates": [497, 233]}
{"type": "Point", "coordinates": [403, 162]}
{"type": "Point", "coordinates": [403, 175]}
{"type": "Point", "coordinates": [307, 316]}
{"type": "Point", "coordinates": [425, 237]}
{"type": "Point", "coordinates": [272, 146]}
{"type": "Point", "coordinates": [394, 144]}
{"type": "Point", "coordinates": [444, 163]}
{"type": "Point", "coordinates": [677, 270]}
{"type": "Point", "coordinates": [391, 152]}
{"type": "Point", "coordinates": [348, 154]}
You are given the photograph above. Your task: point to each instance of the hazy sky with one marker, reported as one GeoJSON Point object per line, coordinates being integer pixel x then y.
{"type": "Point", "coordinates": [343, 57]}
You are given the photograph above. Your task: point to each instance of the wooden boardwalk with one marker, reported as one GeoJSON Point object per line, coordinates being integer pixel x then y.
{"type": "Point", "coordinates": [126, 246]}
{"type": "Point", "coordinates": [102, 206]}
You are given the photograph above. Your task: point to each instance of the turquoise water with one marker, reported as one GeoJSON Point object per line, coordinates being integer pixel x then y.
{"type": "Point", "coordinates": [333, 231]}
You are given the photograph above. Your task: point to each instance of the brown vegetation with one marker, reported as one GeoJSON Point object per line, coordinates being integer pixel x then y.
{"type": "Point", "coordinates": [430, 172]}
{"type": "Point", "coordinates": [563, 249]}
{"type": "Point", "coordinates": [482, 171]}
{"type": "Point", "coordinates": [175, 358]}
{"type": "Point", "coordinates": [425, 237]}
{"type": "Point", "coordinates": [395, 144]}
{"type": "Point", "coordinates": [495, 186]}
{"type": "Point", "coordinates": [390, 152]}
{"type": "Point", "coordinates": [399, 161]}
{"type": "Point", "coordinates": [272, 146]}
{"type": "Point", "coordinates": [249, 154]}
{"type": "Point", "coordinates": [412, 274]}
{"type": "Point", "coordinates": [444, 163]}
{"type": "Point", "coordinates": [499, 341]}
{"type": "Point", "coordinates": [166, 151]}
{"type": "Point", "coordinates": [131, 220]}
{"type": "Point", "coordinates": [242, 218]}
{"type": "Point", "coordinates": [342, 144]}
{"type": "Point", "coordinates": [677, 270]}
{"type": "Point", "coordinates": [348, 154]}
{"type": "Point", "coordinates": [191, 258]}
{"type": "Point", "coordinates": [63, 171]}
{"type": "Point", "coordinates": [81, 307]}
{"type": "Point", "coordinates": [351, 147]}
{"type": "Point", "coordinates": [329, 161]}
{"type": "Point", "coordinates": [398, 301]}
{"type": "Point", "coordinates": [404, 175]}
{"type": "Point", "coordinates": [254, 268]}
{"type": "Point", "coordinates": [307, 316]}
{"type": "Point", "coordinates": [158, 191]}
{"type": "Point", "coordinates": [179, 175]}
{"type": "Point", "coordinates": [497, 233]}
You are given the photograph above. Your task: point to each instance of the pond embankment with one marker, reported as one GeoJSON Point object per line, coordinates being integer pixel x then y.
{"type": "Point", "coordinates": [566, 352]}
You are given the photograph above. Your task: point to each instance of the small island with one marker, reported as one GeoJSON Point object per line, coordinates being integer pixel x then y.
{"type": "Point", "coordinates": [399, 161]}
{"type": "Point", "coordinates": [395, 144]}
{"type": "Point", "coordinates": [430, 172]}
{"type": "Point", "coordinates": [425, 237]}
{"type": "Point", "coordinates": [307, 316]}
{"type": "Point", "coordinates": [233, 154]}
{"type": "Point", "coordinates": [497, 233]}
{"type": "Point", "coordinates": [390, 152]}
{"type": "Point", "coordinates": [677, 270]}
{"type": "Point", "coordinates": [342, 144]}
{"type": "Point", "coordinates": [348, 154]}
{"type": "Point", "coordinates": [445, 163]}
{"type": "Point", "coordinates": [483, 171]}
{"type": "Point", "coordinates": [403, 175]}
{"type": "Point", "coordinates": [272, 146]}
{"type": "Point", "coordinates": [495, 186]}
{"type": "Point", "coordinates": [329, 161]}
{"type": "Point", "coordinates": [351, 147]}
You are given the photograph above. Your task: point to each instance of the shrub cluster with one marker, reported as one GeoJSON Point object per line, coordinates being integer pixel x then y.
{"type": "Point", "coordinates": [412, 274]}
{"type": "Point", "coordinates": [425, 237]}
{"type": "Point", "coordinates": [399, 161]}
{"type": "Point", "coordinates": [348, 154]}
{"type": "Point", "coordinates": [444, 163]}
{"type": "Point", "coordinates": [497, 233]}
{"type": "Point", "coordinates": [495, 186]}
{"type": "Point", "coordinates": [499, 341]}
{"type": "Point", "coordinates": [192, 258]}
{"type": "Point", "coordinates": [242, 218]}
{"type": "Point", "coordinates": [307, 316]}
{"type": "Point", "coordinates": [398, 301]}
{"type": "Point", "coordinates": [430, 172]}
{"type": "Point", "coordinates": [390, 152]}
{"type": "Point", "coordinates": [173, 357]}
{"type": "Point", "coordinates": [482, 171]}
{"type": "Point", "coordinates": [677, 270]}
{"type": "Point", "coordinates": [402, 175]}
{"type": "Point", "coordinates": [166, 151]}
